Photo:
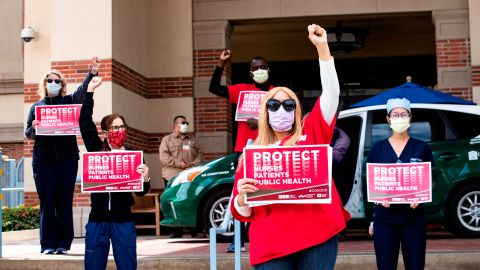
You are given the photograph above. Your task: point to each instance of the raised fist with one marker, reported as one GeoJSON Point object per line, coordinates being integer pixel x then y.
{"type": "Point", "coordinates": [95, 66]}
{"type": "Point", "coordinates": [317, 35]}
{"type": "Point", "coordinates": [94, 83]}
{"type": "Point", "coordinates": [225, 55]}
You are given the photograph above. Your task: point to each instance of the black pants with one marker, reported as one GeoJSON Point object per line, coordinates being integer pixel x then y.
{"type": "Point", "coordinates": [388, 237]}
{"type": "Point", "coordinates": [55, 183]}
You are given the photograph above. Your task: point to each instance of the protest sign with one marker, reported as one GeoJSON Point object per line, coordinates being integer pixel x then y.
{"type": "Point", "coordinates": [111, 171]}
{"type": "Point", "coordinates": [56, 120]}
{"type": "Point", "coordinates": [399, 182]}
{"type": "Point", "coordinates": [248, 105]}
{"type": "Point", "coordinates": [289, 174]}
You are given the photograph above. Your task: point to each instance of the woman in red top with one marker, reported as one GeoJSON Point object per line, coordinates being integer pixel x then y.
{"type": "Point", "coordinates": [294, 236]}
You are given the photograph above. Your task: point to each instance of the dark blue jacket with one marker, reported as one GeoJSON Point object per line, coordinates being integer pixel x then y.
{"type": "Point", "coordinates": [414, 151]}
{"type": "Point", "coordinates": [106, 206]}
{"type": "Point", "coordinates": [53, 148]}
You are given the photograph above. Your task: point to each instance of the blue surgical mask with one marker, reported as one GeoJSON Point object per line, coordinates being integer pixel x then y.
{"type": "Point", "coordinates": [53, 89]}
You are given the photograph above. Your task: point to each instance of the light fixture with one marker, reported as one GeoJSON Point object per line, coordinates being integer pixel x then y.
{"type": "Point", "coordinates": [343, 39]}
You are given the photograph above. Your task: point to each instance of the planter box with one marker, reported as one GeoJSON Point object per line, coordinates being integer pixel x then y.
{"type": "Point", "coordinates": [22, 235]}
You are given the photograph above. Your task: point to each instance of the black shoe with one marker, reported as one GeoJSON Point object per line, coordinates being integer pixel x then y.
{"type": "Point", "coordinates": [176, 235]}
{"type": "Point", "coordinates": [48, 251]}
{"type": "Point", "coordinates": [61, 251]}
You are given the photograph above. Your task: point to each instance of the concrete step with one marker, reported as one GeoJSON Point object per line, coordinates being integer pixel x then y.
{"type": "Point", "coordinates": [437, 261]}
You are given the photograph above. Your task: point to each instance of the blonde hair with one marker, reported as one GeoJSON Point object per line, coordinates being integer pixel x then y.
{"type": "Point", "coordinates": [266, 135]}
{"type": "Point", "coordinates": [42, 87]}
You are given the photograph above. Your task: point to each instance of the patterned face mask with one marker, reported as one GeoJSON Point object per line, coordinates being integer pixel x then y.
{"type": "Point", "coordinates": [117, 138]}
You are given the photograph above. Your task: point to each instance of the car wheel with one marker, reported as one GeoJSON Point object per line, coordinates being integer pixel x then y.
{"type": "Point", "coordinates": [214, 211]}
{"type": "Point", "coordinates": [464, 211]}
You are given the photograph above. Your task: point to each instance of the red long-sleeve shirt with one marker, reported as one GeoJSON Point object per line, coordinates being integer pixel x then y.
{"type": "Point", "coordinates": [244, 132]}
{"type": "Point", "coordinates": [278, 230]}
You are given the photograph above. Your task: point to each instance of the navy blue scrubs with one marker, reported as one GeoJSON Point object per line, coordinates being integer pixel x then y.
{"type": "Point", "coordinates": [399, 223]}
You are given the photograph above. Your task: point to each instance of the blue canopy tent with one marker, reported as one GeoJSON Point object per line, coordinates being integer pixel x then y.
{"type": "Point", "coordinates": [413, 92]}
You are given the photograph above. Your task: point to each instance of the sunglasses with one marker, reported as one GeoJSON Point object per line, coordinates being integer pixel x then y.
{"type": "Point", "coordinates": [57, 81]}
{"type": "Point", "coordinates": [183, 123]}
{"type": "Point", "coordinates": [288, 105]}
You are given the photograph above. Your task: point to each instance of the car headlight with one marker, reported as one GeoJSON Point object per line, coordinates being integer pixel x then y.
{"type": "Point", "coordinates": [188, 175]}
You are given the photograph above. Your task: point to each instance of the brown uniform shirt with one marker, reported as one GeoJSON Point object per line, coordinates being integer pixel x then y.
{"type": "Point", "coordinates": [176, 149]}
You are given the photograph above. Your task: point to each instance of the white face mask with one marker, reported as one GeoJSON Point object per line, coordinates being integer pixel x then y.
{"type": "Point", "coordinates": [53, 89]}
{"type": "Point", "coordinates": [281, 120]}
{"type": "Point", "coordinates": [260, 75]}
{"type": "Point", "coordinates": [399, 125]}
{"type": "Point", "coordinates": [183, 128]}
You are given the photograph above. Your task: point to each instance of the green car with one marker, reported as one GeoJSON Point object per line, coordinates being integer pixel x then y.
{"type": "Point", "coordinates": [199, 197]}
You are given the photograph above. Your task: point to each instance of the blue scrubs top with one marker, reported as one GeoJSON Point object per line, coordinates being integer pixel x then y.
{"type": "Point", "coordinates": [414, 151]}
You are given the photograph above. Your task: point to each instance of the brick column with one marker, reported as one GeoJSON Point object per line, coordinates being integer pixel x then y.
{"type": "Point", "coordinates": [453, 52]}
{"type": "Point", "coordinates": [474, 21]}
{"type": "Point", "coordinates": [13, 150]}
{"type": "Point", "coordinates": [212, 114]}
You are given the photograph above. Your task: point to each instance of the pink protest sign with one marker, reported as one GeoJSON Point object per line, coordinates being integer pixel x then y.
{"type": "Point", "coordinates": [289, 174]}
{"type": "Point", "coordinates": [55, 120]}
{"type": "Point", "coordinates": [111, 171]}
{"type": "Point", "coordinates": [399, 182]}
{"type": "Point", "coordinates": [248, 105]}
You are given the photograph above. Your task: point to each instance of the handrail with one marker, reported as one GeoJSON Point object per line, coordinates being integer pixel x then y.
{"type": "Point", "coordinates": [221, 230]}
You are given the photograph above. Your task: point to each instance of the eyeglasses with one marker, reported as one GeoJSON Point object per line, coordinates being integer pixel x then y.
{"type": "Point", "coordinates": [117, 128]}
{"type": "Point", "coordinates": [404, 115]}
{"type": "Point", "coordinates": [183, 123]}
{"type": "Point", "coordinates": [57, 81]}
{"type": "Point", "coordinates": [288, 105]}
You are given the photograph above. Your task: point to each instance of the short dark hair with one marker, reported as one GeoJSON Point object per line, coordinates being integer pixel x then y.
{"type": "Point", "coordinates": [259, 58]}
{"type": "Point", "coordinates": [178, 116]}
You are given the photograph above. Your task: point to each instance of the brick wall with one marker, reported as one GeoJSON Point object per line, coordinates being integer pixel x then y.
{"type": "Point", "coordinates": [454, 53]}
{"type": "Point", "coordinates": [31, 198]}
{"type": "Point", "coordinates": [204, 62]}
{"type": "Point", "coordinates": [476, 75]}
{"type": "Point", "coordinates": [28, 147]}
{"type": "Point", "coordinates": [79, 199]}
{"type": "Point", "coordinates": [171, 87]}
{"type": "Point", "coordinates": [30, 93]}
{"type": "Point", "coordinates": [75, 71]}
{"type": "Point", "coordinates": [148, 142]}
{"type": "Point", "coordinates": [12, 150]}
{"type": "Point", "coordinates": [129, 79]}
{"type": "Point", "coordinates": [212, 114]}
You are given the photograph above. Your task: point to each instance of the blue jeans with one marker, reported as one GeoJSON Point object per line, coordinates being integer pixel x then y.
{"type": "Point", "coordinates": [319, 257]}
{"type": "Point", "coordinates": [97, 245]}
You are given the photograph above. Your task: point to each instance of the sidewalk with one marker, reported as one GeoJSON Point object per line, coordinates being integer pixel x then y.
{"type": "Point", "coordinates": [443, 252]}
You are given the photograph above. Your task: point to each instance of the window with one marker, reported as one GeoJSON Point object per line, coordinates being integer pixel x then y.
{"type": "Point", "coordinates": [465, 125]}
{"type": "Point", "coordinates": [343, 172]}
{"type": "Point", "coordinates": [427, 125]}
